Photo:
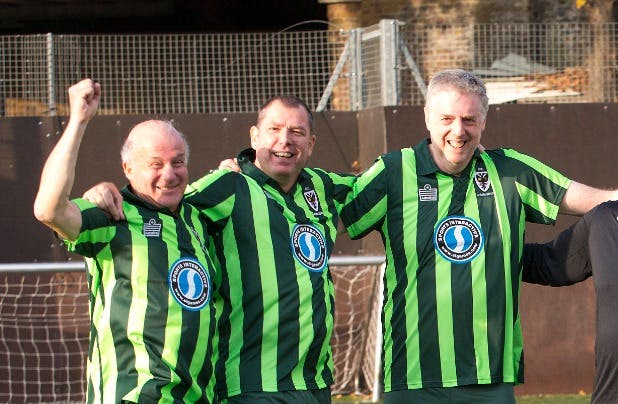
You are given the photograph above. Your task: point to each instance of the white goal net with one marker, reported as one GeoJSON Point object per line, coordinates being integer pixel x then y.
{"type": "Point", "coordinates": [44, 327]}
{"type": "Point", "coordinates": [357, 336]}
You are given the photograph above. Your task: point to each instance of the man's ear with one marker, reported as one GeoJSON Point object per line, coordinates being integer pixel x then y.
{"type": "Point", "coordinates": [126, 169]}
{"type": "Point", "coordinates": [253, 134]}
{"type": "Point", "coordinates": [313, 138]}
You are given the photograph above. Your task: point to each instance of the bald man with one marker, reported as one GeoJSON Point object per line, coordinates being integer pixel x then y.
{"type": "Point", "coordinates": [150, 276]}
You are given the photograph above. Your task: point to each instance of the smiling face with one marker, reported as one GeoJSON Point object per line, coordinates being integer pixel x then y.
{"type": "Point", "coordinates": [283, 142]}
{"type": "Point", "coordinates": [455, 122]}
{"type": "Point", "coordinates": [155, 163]}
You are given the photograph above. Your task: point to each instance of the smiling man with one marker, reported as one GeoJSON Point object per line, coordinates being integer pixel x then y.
{"type": "Point", "coordinates": [452, 221]}
{"type": "Point", "coordinates": [283, 140]}
{"type": "Point", "coordinates": [150, 276]}
{"type": "Point", "coordinates": [273, 227]}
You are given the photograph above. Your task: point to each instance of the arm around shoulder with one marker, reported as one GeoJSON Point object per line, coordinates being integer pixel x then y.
{"type": "Point", "coordinates": [580, 198]}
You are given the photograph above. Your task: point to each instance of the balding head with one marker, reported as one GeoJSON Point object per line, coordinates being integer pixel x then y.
{"type": "Point", "coordinates": [146, 129]}
{"type": "Point", "coordinates": [154, 159]}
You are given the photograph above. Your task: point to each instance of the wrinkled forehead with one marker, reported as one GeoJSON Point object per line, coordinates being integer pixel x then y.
{"type": "Point", "coordinates": [451, 100]}
{"type": "Point", "coordinates": [442, 93]}
{"type": "Point", "coordinates": [280, 114]}
{"type": "Point", "coordinates": [160, 143]}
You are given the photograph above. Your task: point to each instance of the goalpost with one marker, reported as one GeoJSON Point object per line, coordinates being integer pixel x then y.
{"type": "Point", "coordinates": [44, 327]}
{"type": "Point", "coordinates": [357, 335]}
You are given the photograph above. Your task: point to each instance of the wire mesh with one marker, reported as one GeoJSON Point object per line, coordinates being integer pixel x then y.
{"type": "Point", "coordinates": [44, 328]}
{"type": "Point", "coordinates": [236, 72]}
{"type": "Point", "coordinates": [522, 62]}
{"type": "Point", "coordinates": [165, 74]}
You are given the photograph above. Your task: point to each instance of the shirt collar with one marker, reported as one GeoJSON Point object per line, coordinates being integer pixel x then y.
{"type": "Point", "coordinates": [129, 196]}
{"type": "Point", "coordinates": [246, 161]}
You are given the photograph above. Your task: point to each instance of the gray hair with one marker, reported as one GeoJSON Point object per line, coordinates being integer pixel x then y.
{"type": "Point", "coordinates": [168, 126]}
{"type": "Point", "coordinates": [461, 80]}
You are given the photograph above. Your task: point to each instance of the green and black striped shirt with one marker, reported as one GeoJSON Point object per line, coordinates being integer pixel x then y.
{"type": "Point", "coordinates": [153, 322]}
{"type": "Point", "coordinates": [272, 247]}
{"type": "Point", "coordinates": [453, 248]}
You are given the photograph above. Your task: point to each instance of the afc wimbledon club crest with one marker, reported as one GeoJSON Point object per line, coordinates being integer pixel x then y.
{"type": "Point", "coordinates": [309, 247]}
{"type": "Point", "coordinates": [481, 179]}
{"type": "Point", "coordinates": [458, 239]}
{"type": "Point", "coordinates": [190, 284]}
{"type": "Point", "coordinates": [312, 200]}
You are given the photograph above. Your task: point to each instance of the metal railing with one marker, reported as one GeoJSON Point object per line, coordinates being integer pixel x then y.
{"type": "Point", "coordinates": [76, 266]}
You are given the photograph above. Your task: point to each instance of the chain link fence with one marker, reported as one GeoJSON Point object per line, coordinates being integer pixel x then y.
{"type": "Point", "coordinates": [386, 64]}
{"type": "Point", "coordinates": [523, 62]}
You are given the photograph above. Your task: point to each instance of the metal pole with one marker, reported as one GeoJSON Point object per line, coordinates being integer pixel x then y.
{"type": "Point", "coordinates": [72, 266]}
{"type": "Point", "coordinates": [356, 70]}
{"type": "Point", "coordinates": [389, 62]}
{"type": "Point", "coordinates": [51, 76]}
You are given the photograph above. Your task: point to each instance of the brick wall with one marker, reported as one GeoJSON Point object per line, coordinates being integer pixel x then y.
{"type": "Point", "coordinates": [470, 11]}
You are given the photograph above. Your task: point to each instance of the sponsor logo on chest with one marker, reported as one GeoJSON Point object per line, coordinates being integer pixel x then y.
{"type": "Point", "coordinates": [309, 247]}
{"type": "Point", "coordinates": [190, 284]}
{"type": "Point", "coordinates": [458, 239]}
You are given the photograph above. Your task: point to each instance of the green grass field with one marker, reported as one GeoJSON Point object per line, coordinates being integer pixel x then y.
{"type": "Point", "coordinates": [554, 399]}
{"type": "Point", "coordinates": [533, 399]}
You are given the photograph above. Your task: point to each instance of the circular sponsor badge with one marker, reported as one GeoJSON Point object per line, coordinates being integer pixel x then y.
{"type": "Point", "coordinates": [458, 239]}
{"type": "Point", "coordinates": [309, 247]}
{"type": "Point", "coordinates": [189, 283]}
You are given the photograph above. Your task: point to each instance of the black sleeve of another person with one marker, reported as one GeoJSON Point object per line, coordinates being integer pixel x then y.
{"type": "Point", "coordinates": [562, 261]}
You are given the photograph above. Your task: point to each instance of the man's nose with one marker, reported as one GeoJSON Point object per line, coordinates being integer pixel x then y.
{"type": "Point", "coordinates": [285, 135]}
{"type": "Point", "coordinates": [457, 127]}
{"type": "Point", "coordinates": [167, 171]}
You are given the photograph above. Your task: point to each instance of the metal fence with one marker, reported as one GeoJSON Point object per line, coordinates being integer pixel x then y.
{"type": "Point", "coordinates": [385, 64]}
{"type": "Point", "coordinates": [523, 62]}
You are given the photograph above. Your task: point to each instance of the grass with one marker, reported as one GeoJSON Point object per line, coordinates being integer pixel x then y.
{"type": "Point", "coordinates": [532, 399]}
{"type": "Point", "coordinates": [554, 399]}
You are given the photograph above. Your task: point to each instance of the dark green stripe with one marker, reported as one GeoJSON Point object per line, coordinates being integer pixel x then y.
{"type": "Point", "coordinates": [319, 319]}
{"type": "Point", "coordinates": [395, 234]}
{"type": "Point", "coordinates": [189, 335]}
{"type": "Point", "coordinates": [119, 309]}
{"type": "Point", "coordinates": [463, 331]}
{"type": "Point", "coordinates": [252, 301]}
{"type": "Point", "coordinates": [494, 282]}
{"type": "Point", "coordinates": [223, 322]}
{"type": "Point", "coordinates": [461, 289]}
{"type": "Point", "coordinates": [156, 313]}
{"type": "Point", "coordinates": [287, 292]}
{"type": "Point", "coordinates": [426, 288]}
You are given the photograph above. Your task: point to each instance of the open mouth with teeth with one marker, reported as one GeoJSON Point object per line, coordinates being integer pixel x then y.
{"type": "Point", "coordinates": [283, 154]}
{"type": "Point", "coordinates": [165, 188]}
{"type": "Point", "coordinates": [456, 144]}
